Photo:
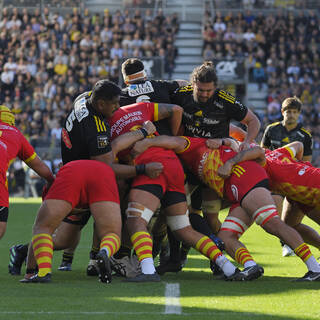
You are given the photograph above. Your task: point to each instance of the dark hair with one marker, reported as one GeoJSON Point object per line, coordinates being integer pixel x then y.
{"type": "Point", "coordinates": [291, 103]}
{"type": "Point", "coordinates": [204, 73]}
{"type": "Point", "coordinates": [104, 90]}
{"type": "Point", "coordinates": [131, 66]}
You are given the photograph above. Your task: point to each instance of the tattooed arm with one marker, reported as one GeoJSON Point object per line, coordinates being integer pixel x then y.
{"type": "Point", "coordinates": [174, 114]}
{"type": "Point", "coordinates": [256, 154]}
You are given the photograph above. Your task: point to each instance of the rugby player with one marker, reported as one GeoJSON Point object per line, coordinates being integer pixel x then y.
{"type": "Point", "coordinates": [281, 133]}
{"type": "Point", "coordinates": [297, 180]}
{"type": "Point", "coordinates": [146, 194]}
{"type": "Point", "coordinates": [14, 144]}
{"type": "Point", "coordinates": [247, 187]}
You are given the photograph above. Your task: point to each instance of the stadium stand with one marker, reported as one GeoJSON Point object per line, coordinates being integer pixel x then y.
{"type": "Point", "coordinates": [53, 50]}
{"type": "Point", "coordinates": [50, 54]}
{"type": "Point", "coordinates": [280, 48]}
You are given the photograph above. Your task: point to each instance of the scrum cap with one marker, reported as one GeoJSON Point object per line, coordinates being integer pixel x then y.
{"type": "Point", "coordinates": [6, 115]}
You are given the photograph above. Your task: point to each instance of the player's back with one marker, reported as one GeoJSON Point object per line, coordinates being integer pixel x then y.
{"type": "Point", "coordinates": [148, 91]}
{"type": "Point", "coordinates": [79, 133]}
{"type": "Point", "coordinates": [17, 144]}
{"type": "Point", "coordinates": [299, 181]}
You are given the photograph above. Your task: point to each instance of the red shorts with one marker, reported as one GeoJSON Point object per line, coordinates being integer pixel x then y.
{"type": "Point", "coordinates": [243, 178]}
{"type": "Point", "coordinates": [172, 177]}
{"type": "Point", "coordinates": [83, 182]}
{"type": "Point", "coordinates": [4, 194]}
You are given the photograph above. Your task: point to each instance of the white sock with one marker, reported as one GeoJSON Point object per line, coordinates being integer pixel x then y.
{"type": "Point", "coordinates": [312, 264]}
{"type": "Point", "coordinates": [106, 251]}
{"type": "Point", "coordinates": [227, 267]}
{"type": "Point", "coordinates": [249, 263]}
{"type": "Point", "coordinates": [147, 266]}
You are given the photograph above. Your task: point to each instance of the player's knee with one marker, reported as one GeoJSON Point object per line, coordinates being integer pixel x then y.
{"type": "Point", "coordinates": [232, 226]}
{"type": "Point", "coordinates": [178, 222]}
{"type": "Point", "coordinates": [264, 214]}
{"type": "Point", "coordinates": [137, 210]}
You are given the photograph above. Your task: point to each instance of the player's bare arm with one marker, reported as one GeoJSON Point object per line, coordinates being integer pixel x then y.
{"type": "Point", "coordinates": [216, 143]}
{"type": "Point", "coordinates": [41, 169]}
{"type": "Point", "coordinates": [174, 114]}
{"type": "Point", "coordinates": [298, 148]}
{"type": "Point", "coordinates": [127, 139]}
{"type": "Point", "coordinates": [255, 153]}
{"type": "Point", "coordinates": [175, 143]}
{"type": "Point", "coordinates": [152, 169]}
{"type": "Point", "coordinates": [253, 127]}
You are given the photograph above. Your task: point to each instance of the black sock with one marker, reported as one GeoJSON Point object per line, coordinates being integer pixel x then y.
{"type": "Point", "coordinates": [199, 224]}
{"type": "Point", "coordinates": [174, 247]}
{"type": "Point", "coordinates": [67, 257]}
{"type": "Point", "coordinates": [123, 252]}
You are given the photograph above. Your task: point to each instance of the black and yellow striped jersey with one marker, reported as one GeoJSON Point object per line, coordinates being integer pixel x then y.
{"type": "Point", "coordinates": [210, 119]}
{"type": "Point", "coordinates": [85, 132]}
{"type": "Point", "coordinates": [276, 135]}
{"type": "Point", "coordinates": [150, 91]}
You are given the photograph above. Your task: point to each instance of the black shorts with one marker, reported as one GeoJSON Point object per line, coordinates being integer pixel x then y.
{"type": "Point", "coordinates": [4, 212]}
{"type": "Point", "coordinates": [80, 219]}
{"type": "Point", "coordinates": [168, 199]}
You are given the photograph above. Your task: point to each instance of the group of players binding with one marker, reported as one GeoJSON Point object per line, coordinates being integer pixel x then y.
{"type": "Point", "coordinates": [240, 172]}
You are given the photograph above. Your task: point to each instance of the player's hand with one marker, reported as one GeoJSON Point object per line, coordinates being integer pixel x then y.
{"type": "Point", "coordinates": [225, 170]}
{"type": "Point", "coordinates": [153, 169]}
{"type": "Point", "coordinates": [244, 146]}
{"type": "Point", "coordinates": [149, 126]}
{"type": "Point", "coordinates": [139, 147]}
{"type": "Point", "coordinates": [45, 189]}
{"type": "Point", "coordinates": [214, 143]}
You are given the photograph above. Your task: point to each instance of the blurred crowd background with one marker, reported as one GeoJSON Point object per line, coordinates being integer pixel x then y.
{"type": "Point", "coordinates": [52, 53]}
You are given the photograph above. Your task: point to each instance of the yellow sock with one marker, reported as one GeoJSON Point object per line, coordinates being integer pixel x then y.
{"type": "Point", "coordinates": [142, 244]}
{"type": "Point", "coordinates": [111, 242]}
{"type": "Point", "coordinates": [43, 249]}
{"type": "Point", "coordinates": [242, 256]}
{"type": "Point", "coordinates": [208, 248]}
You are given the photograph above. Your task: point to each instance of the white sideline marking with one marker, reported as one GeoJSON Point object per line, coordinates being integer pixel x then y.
{"type": "Point", "coordinates": [187, 314]}
{"type": "Point", "coordinates": [172, 298]}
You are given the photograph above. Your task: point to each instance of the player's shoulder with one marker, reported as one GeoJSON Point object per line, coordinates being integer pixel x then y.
{"type": "Point", "coordinates": [274, 125]}
{"type": "Point", "coordinates": [306, 132]}
{"type": "Point", "coordinates": [185, 89]}
{"type": "Point", "coordinates": [225, 96]}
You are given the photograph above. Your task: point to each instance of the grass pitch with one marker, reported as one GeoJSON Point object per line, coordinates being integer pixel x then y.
{"type": "Point", "coordinates": [73, 295]}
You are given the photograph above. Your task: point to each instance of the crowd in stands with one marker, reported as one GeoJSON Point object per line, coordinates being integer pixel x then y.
{"type": "Point", "coordinates": [47, 59]}
{"type": "Point", "coordinates": [281, 50]}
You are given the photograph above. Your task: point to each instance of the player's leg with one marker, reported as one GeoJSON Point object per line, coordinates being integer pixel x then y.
{"type": "Point", "coordinates": [178, 221]}
{"type": "Point", "coordinates": [259, 204]}
{"type": "Point", "coordinates": [283, 207]}
{"type": "Point", "coordinates": [142, 204]}
{"type": "Point", "coordinates": [233, 227]}
{"type": "Point", "coordinates": [64, 237]}
{"type": "Point", "coordinates": [211, 205]}
{"type": "Point", "coordinates": [48, 219]}
{"type": "Point", "coordinates": [107, 217]}
{"type": "Point", "coordinates": [294, 219]}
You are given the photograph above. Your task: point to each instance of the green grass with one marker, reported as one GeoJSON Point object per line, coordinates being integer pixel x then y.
{"type": "Point", "coordinates": [73, 295]}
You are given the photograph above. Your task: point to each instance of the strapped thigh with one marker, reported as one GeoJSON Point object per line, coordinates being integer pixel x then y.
{"type": "Point", "coordinates": [137, 210]}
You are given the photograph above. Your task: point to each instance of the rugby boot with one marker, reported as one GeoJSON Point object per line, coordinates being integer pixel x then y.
{"type": "Point", "coordinates": [310, 276]}
{"type": "Point", "coordinates": [18, 255]}
{"type": "Point", "coordinates": [65, 266]}
{"type": "Point", "coordinates": [104, 267]}
{"type": "Point", "coordinates": [37, 279]}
